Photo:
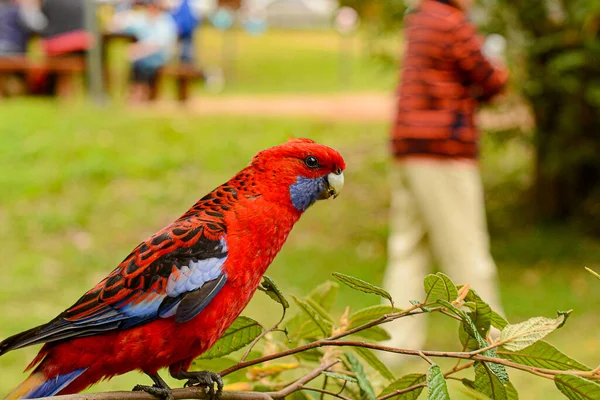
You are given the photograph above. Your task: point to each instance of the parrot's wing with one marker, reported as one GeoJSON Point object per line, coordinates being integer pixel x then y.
{"type": "Point", "coordinates": [176, 272]}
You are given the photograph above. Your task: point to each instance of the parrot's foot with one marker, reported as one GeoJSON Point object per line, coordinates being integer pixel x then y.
{"type": "Point", "coordinates": [203, 378]}
{"type": "Point", "coordinates": [159, 389]}
{"type": "Point", "coordinates": [163, 392]}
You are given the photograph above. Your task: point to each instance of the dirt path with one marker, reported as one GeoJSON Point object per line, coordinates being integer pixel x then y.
{"type": "Point", "coordinates": [367, 107]}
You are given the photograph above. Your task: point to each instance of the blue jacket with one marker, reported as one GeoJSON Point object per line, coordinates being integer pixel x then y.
{"type": "Point", "coordinates": [13, 34]}
{"type": "Point", "coordinates": [185, 18]}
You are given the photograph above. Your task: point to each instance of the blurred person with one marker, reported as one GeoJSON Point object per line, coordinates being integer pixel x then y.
{"type": "Point", "coordinates": [61, 25]}
{"type": "Point", "coordinates": [187, 17]}
{"type": "Point", "coordinates": [437, 197]}
{"type": "Point", "coordinates": [18, 19]}
{"type": "Point", "coordinates": [156, 35]}
{"type": "Point", "coordinates": [64, 32]}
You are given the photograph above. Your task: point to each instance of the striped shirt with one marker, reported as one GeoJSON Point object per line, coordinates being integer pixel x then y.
{"type": "Point", "coordinates": [445, 77]}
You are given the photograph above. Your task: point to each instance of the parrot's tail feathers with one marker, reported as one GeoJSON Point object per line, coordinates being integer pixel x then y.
{"type": "Point", "coordinates": [19, 340]}
{"type": "Point", "coordinates": [37, 385]}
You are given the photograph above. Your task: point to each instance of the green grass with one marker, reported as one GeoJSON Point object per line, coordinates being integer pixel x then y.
{"type": "Point", "coordinates": [82, 186]}
{"type": "Point", "coordinates": [284, 61]}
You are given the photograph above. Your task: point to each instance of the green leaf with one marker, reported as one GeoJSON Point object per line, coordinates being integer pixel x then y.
{"type": "Point", "coordinates": [498, 369]}
{"type": "Point", "coordinates": [362, 286]}
{"type": "Point", "coordinates": [436, 384]}
{"type": "Point", "coordinates": [405, 382]}
{"type": "Point", "coordinates": [591, 271]}
{"type": "Point", "coordinates": [270, 288]}
{"type": "Point", "coordinates": [325, 294]}
{"type": "Point", "coordinates": [577, 388]}
{"type": "Point", "coordinates": [487, 382]}
{"type": "Point", "coordinates": [498, 321]}
{"type": "Point", "coordinates": [376, 333]}
{"type": "Point", "coordinates": [309, 330]}
{"type": "Point", "coordinates": [468, 324]}
{"type": "Point", "coordinates": [241, 333]}
{"type": "Point", "coordinates": [470, 329]}
{"type": "Point", "coordinates": [324, 325]}
{"type": "Point", "coordinates": [480, 315]}
{"type": "Point", "coordinates": [511, 392]}
{"type": "Point", "coordinates": [363, 382]}
{"type": "Point", "coordinates": [439, 286]}
{"type": "Point", "coordinates": [518, 336]}
{"type": "Point", "coordinates": [369, 314]}
{"type": "Point", "coordinates": [302, 327]}
{"type": "Point", "coordinates": [374, 362]}
{"type": "Point", "coordinates": [542, 354]}
{"type": "Point", "coordinates": [320, 310]}
{"type": "Point", "coordinates": [468, 341]}
{"type": "Point", "coordinates": [340, 376]}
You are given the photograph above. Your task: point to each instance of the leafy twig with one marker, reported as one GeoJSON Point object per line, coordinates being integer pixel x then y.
{"type": "Point", "coordinates": [429, 353]}
{"type": "Point", "coordinates": [262, 335]}
{"type": "Point", "coordinates": [423, 384]}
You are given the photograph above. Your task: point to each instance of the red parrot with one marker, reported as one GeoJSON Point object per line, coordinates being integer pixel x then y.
{"type": "Point", "coordinates": [179, 290]}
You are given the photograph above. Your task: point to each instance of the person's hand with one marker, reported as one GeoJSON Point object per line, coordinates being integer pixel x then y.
{"type": "Point", "coordinates": [140, 50]}
{"type": "Point", "coordinates": [494, 49]}
{"type": "Point", "coordinates": [29, 3]}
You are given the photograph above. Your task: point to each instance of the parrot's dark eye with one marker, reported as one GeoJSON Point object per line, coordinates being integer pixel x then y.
{"type": "Point", "coordinates": [311, 162]}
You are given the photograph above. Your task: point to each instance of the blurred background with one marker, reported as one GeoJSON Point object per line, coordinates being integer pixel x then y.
{"type": "Point", "coordinates": [99, 151]}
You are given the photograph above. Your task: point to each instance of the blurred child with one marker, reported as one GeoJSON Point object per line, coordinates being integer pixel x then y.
{"type": "Point", "coordinates": [156, 35]}
{"type": "Point", "coordinates": [186, 14]}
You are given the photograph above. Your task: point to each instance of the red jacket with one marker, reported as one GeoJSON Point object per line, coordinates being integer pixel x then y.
{"type": "Point", "coordinates": [444, 78]}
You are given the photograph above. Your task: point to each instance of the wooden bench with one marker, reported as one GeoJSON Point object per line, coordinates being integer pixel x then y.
{"type": "Point", "coordinates": [184, 76]}
{"type": "Point", "coordinates": [9, 66]}
{"type": "Point", "coordinates": [64, 68]}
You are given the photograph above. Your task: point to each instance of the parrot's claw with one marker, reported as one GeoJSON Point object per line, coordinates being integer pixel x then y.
{"type": "Point", "coordinates": [162, 392]}
{"type": "Point", "coordinates": [207, 379]}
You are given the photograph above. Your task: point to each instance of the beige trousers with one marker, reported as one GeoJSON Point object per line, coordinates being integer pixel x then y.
{"type": "Point", "coordinates": [437, 214]}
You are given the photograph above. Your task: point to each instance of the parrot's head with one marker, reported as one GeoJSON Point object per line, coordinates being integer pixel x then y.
{"type": "Point", "coordinates": [302, 171]}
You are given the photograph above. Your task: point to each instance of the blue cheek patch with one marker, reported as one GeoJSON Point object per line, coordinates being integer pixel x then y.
{"type": "Point", "coordinates": [306, 191]}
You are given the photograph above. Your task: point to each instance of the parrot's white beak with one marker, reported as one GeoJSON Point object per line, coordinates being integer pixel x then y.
{"type": "Point", "coordinates": [336, 183]}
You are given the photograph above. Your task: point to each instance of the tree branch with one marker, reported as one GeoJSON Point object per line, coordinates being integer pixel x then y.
{"type": "Point", "coordinates": [446, 354]}
{"type": "Point", "coordinates": [178, 394]}
{"type": "Point", "coordinates": [414, 310]}
{"type": "Point", "coordinates": [200, 393]}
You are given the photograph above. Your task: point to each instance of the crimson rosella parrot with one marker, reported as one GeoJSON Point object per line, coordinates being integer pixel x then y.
{"type": "Point", "coordinates": [179, 290]}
